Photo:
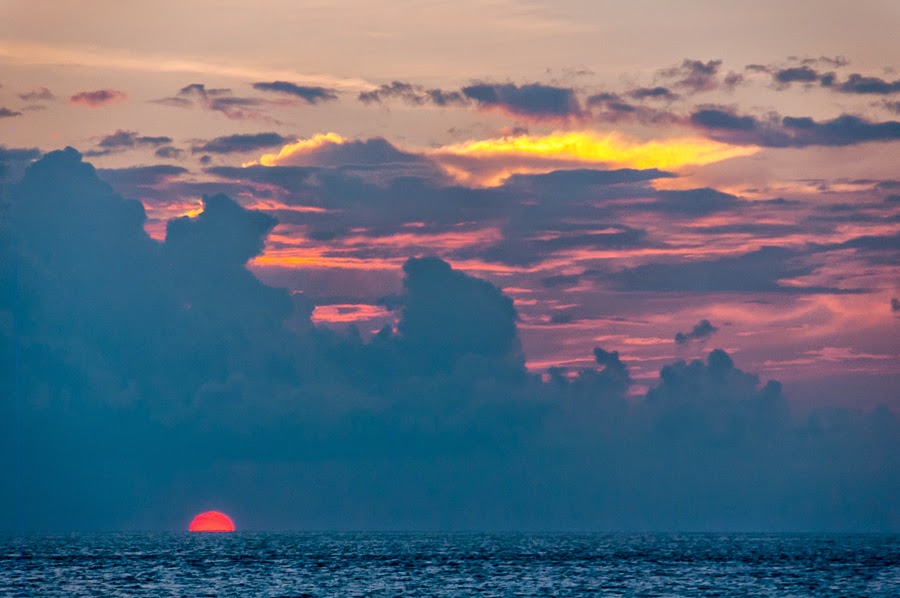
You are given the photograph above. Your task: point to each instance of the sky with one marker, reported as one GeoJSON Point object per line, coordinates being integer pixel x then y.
{"type": "Point", "coordinates": [450, 265]}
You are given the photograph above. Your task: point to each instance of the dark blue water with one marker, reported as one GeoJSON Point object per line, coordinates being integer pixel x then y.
{"type": "Point", "coordinates": [376, 564]}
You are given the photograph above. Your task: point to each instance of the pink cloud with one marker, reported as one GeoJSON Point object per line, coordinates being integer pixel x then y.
{"type": "Point", "coordinates": [98, 98]}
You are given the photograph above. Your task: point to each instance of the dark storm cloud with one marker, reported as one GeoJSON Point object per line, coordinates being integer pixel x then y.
{"type": "Point", "coordinates": [895, 304]}
{"type": "Point", "coordinates": [415, 95]}
{"type": "Point", "coordinates": [777, 131]}
{"type": "Point", "coordinates": [38, 94]}
{"type": "Point", "coordinates": [98, 98]}
{"type": "Point", "coordinates": [144, 371]}
{"type": "Point", "coordinates": [702, 330]}
{"type": "Point", "coordinates": [230, 144]}
{"type": "Point", "coordinates": [532, 100]}
{"type": "Point", "coordinates": [7, 113]}
{"type": "Point", "coordinates": [310, 95]}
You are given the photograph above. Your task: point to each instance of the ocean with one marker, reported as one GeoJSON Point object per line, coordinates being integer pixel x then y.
{"type": "Point", "coordinates": [450, 564]}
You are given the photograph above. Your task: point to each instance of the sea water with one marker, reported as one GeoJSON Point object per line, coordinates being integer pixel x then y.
{"type": "Point", "coordinates": [449, 564]}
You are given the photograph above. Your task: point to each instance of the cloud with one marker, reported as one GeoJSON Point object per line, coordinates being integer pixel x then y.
{"type": "Point", "coordinates": [168, 152]}
{"type": "Point", "coordinates": [654, 93]}
{"type": "Point", "coordinates": [702, 330]}
{"type": "Point", "coordinates": [799, 74]}
{"type": "Point", "coordinates": [533, 100]}
{"type": "Point", "coordinates": [98, 98]}
{"type": "Point", "coordinates": [139, 181]}
{"type": "Point", "coordinates": [124, 140]}
{"type": "Point", "coordinates": [129, 139]}
{"type": "Point", "coordinates": [217, 100]}
{"type": "Point", "coordinates": [777, 131]}
{"type": "Point", "coordinates": [860, 84]}
{"type": "Point", "coordinates": [762, 271]}
{"type": "Point", "coordinates": [696, 76]}
{"type": "Point", "coordinates": [7, 113]}
{"type": "Point", "coordinates": [895, 304]}
{"type": "Point", "coordinates": [37, 94]}
{"type": "Point", "coordinates": [415, 95]}
{"type": "Point", "coordinates": [230, 144]}
{"type": "Point", "coordinates": [855, 83]}
{"type": "Point", "coordinates": [126, 344]}
{"type": "Point", "coordinates": [310, 95]}
{"type": "Point", "coordinates": [492, 160]}
{"type": "Point", "coordinates": [14, 161]}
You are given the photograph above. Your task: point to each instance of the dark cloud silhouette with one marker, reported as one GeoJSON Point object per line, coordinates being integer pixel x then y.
{"type": "Point", "coordinates": [7, 113]}
{"type": "Point", "coordinates": [807, 73]}
{"type": "Point", "coordinates": [230, 144]}
{"type": "Point", "coordinates": [200, 90]}
{"type": "Point", "coordinates": [613, 108]}
{"type": "Point", "coordinates": [98, 98]}
{"type": "Point", "coordinates": [125, 140]}
{"type": "Point", "coordinates": [310, 95]}
{"type": "Point", "coordinates": [532, 100]}
{"type": "Point", "coordinates": [13, 162]}
{"type": "Point", "coordinates": [788, 131]}
{"type": "Point", "coordinates": [895, 304]}
{"type": "Point", "coordinates": [801, 74]}
{"type": "Point", "coordinates": [415, 95]}
{"type": "Point", "coordinates": [762, 271]}
{"type": "Point", "coordinates": [168, 152]}
{"type": "Point", "coordinates": [149, 374]}
{"type": "Point", "coordinates": [860, 84]}
{"type": "Point", "coordinates": [218, 100]}
{"type": "Point", "coordinates": [714, 118]}
{"type": "Point", "coordinates": [702, 330]}
{"type": "Point", "coordinates": [695, 76]}
{"type": "Point", "coordinates": [660, 93]}
{"type": "Point", "coordinates": [38, 94]}
{"type": "Point", "coordinates": [128, 139]}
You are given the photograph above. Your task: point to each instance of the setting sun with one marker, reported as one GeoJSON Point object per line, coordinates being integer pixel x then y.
{"type": "Point", "coordinates": [211, 521]}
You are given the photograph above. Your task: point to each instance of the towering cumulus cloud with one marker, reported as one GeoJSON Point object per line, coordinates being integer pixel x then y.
{"type": "Point", "coordinates": [141, 375]}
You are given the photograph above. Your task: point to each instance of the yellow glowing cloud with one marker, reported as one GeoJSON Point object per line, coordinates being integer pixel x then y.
{"type": "Point", "coordinates": [298, 147]}
{"type": "Point", "coordinates": [606, 148]}
{"type": "Point", "coordinates": [491, 161]}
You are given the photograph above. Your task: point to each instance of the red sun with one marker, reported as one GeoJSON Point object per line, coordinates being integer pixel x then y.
{"type": "Point", "coordinates": [212, 521]}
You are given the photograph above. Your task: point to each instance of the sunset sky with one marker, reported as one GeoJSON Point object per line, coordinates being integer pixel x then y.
{"type": "Point", "coordinates": [659, 179]}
